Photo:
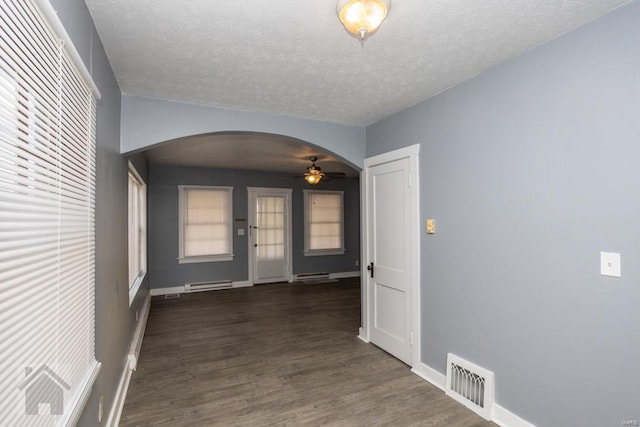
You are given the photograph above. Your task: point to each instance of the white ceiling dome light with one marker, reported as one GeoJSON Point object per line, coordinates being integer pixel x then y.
{"type": "Point", "coordinates": [362, 17]}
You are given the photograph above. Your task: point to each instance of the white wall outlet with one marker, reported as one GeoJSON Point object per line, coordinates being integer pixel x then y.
{"type": "Point", "coordinates": [357, 263]}
{"type": "Point", "coordinates": [240, 231]}
{"type": "Point", "coordinates": [610, 264]}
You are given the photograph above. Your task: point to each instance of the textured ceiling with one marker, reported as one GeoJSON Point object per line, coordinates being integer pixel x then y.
{"type": "Point", "coordinates": [294, 58]}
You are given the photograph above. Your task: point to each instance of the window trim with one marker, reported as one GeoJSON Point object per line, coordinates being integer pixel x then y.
{"type": "Point", "coordinates": [182, 259]}
{"type": "Point", "coordinates": [137, 282]}
{"type": "Point", "coordinates": [322, 252]}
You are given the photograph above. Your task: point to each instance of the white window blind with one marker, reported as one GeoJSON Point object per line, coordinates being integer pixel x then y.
{"type": "Point", "coordinates": [205, 223]}
{"type": "Point", "coordinates": [324, 227]}
{"type": "Point", "coordinates": [47, 200]}
{"type": "Point", "coordinates": [137, 231]}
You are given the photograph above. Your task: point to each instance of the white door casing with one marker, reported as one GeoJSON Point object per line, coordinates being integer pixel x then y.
{"type": "Point", "coordinates": [270, 256]}
{"type": "Point", "coordinates": [391, 241]}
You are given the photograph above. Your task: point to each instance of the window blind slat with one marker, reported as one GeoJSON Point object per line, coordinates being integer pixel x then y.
{"type": "Point", "coordinates": [27, 267]}
{"type": "Point", "coordinates": [32, 75]}
{"type": "Point", "coordinates": [26, 40]}
{"type": "Point", "coordinates": [26, 239]}
{"type": "Point", "coordinates": [21, 184]}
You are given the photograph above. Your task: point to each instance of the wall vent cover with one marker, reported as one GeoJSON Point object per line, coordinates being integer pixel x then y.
{"type": "Point", "coordinates": [470, 385]}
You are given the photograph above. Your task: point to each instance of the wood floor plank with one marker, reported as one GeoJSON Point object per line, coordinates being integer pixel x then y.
{"type": "Point", "coordinates": [275, 355]}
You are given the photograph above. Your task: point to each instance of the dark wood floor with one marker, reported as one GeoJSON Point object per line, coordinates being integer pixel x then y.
{"type": "Point", "coordinates": [281, 354]}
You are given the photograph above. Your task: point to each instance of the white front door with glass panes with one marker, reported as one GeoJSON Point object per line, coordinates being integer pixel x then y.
{"type": "Point", "coordinates": [270, 235]}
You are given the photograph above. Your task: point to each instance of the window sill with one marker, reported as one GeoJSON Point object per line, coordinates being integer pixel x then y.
{"type": "Point", "coordinates": [324, 252]}
{"type": "Point", "coordinates": [211, 258]}
{"type": "Point", "coordinates": [133, 289]}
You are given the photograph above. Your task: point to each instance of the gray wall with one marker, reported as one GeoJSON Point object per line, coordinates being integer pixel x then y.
{"type": "Point", "coordinates": [115, 321]}
{"type": "Point", "coordinates": [147, 121]}
{"type": "Point", "coordinates": [163, 224]}
{"type": "Point", "coordinates": [530, 170]}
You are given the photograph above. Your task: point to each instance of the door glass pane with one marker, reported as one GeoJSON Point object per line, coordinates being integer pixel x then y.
{"type": "Point", "coordinates": [270, 236]}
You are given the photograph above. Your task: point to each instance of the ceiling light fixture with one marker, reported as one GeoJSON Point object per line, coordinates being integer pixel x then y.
{"type": "Point", "coordinates": [362, 17]}
{"type": "Point", "coordinates": [314, 173]}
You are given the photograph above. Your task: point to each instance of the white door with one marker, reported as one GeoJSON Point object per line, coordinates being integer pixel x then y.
{"type": "Point", "coordinates": [389, 270]}
{"type": "Point", "coordinates": [270, 235]}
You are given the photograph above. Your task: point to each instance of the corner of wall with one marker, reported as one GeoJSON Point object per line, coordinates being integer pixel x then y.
{"type": "Point", "coordinates": [500, 415]}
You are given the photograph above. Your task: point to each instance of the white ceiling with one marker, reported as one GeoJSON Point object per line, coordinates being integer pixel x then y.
{"type": "Point", "coordinates": [294, 58]}
{"type": "Point", "coordinates": [245, 151]}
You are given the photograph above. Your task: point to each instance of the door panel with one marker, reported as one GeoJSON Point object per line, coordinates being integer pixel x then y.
{"type": "Point", "coordinates": [386, 318]}
{"type": "Point", "coordinates": [389, 225]}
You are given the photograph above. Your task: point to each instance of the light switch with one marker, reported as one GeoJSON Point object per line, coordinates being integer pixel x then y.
{"type": "Point", "coordinates": [431, 226]}
{"type": "Point", "coordinates": [240, 231]}
{"type": "Point", "coordinates": [610, 264]}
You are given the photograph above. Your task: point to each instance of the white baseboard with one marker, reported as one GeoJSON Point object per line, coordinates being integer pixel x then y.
{"type": "Point", "coordinates": [344, 275]}
{"type": "Point", "coordinates": [361, 335]}
{"type": "Point", "coordinates": [180, 289]}
{"type": "Point", "coordinates": [501, 416]}
{"type": "Point", "coordinates": [505, 418]}
{"type": "Point", "coordinates": [340, 275]}
{"type": "Point", "coordinates": [243, 284]}
{"type": "Point", "coordinates": [167, 291]}
{"type": "Point", "coordinates": [121, 395]}
{"type": "Point", "coordinates": [129, 366]}
{"type": "Point", "coordinates": [430, 375]}
{"type": "Point", "coordinates": [138, 335]}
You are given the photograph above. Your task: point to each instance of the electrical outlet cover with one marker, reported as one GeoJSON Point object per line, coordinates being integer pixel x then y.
{"type": "Point", "coordinates": [610, 264]}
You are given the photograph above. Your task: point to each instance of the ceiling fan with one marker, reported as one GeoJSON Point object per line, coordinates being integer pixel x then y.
{"type": "Point", "coordinates": [314, 173]}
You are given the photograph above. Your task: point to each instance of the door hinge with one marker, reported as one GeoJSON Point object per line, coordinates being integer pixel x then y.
{"type": "Point", "coordinates": [411, 338]}
{"type": "Point", "coordinates": [409, 177]}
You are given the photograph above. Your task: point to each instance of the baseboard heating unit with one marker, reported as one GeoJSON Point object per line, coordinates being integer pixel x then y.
{"type": "Point", "coordinates": [315, 278]}
{"type": "Point", "coordinates": [312, 276]}
{"type": "Point", "coordinates": [208, 286]}
{"type": "Point", "coordinates": [470, 385]}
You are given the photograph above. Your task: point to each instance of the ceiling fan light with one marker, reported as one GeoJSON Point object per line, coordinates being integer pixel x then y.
{"type": "Point", "coordinates": [362, 17]}
{"type": "Point", "coordinates": [312, 178]}
{"type": "Point", "coordinates": [314, 174]}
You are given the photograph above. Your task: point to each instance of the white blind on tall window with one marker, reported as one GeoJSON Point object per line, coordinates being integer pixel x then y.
{"type": "Point", "coordinates": [47, 248]}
